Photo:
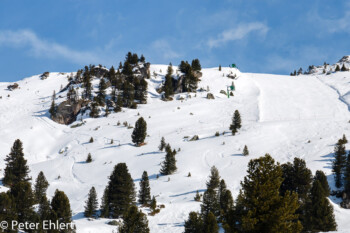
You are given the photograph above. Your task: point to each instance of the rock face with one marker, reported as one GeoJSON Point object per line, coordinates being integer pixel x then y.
{"type": "Point", "coordinates": [223, 92]}
{"type": "Point", "coordinates": [13, 87]}
{"type": "Point", "coordinates": [100, 71]}
{"type": "Point", "coordinates": [210, 96]}
{"type": "Point", "coordinates": [45, 75]}
{"type": "Point", "coordinates": [67, 112]}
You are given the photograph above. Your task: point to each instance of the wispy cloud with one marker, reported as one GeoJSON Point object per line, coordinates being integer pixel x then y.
{"type": "Point", "coordinates": [42, 48]}
{"type": "Point", "coordinates": [238, 33]}
{"type": "Point", "coordinates": [164, 49]}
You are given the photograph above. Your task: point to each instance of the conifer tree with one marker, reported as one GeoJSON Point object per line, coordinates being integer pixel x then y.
{"type": "Point", "coordinates": [7, 208]}
{"type": "Point", "coordinates": [210, 203]}
{"type": "Point", "coordinates": [162, 144]}
{"type": "Point", "coordinates": [53, 109]}
{"type": "Point", "coordinates": [168, 84]}
{"type": "Point", "coordinates": [145, 190]}
{"type": "Point", "coordinates": [153, 204]}
{"type": "Point", "coordinates": [23, 199]}
{"type": "Point", "coordinates": [94, 110]}
{"type": "Point", "coordinates": [119, 103]}
{"type": "Point", "coordinates": [44, 210]}
{"type": "Point", "coordinates": [16, 169]}
{"type": "Point", "coordinates": [343, 68]}
{"type": "Point", "coordinates": [264, 209]}
{"type": "Point", "coordinates": [61, 207]}
{"type": "Point", "coordinates": [91, 204]}
{"type": "Point", "coordinates": [321, 216]}
{"type": "Point", "coordinates": [225, 200]}
{"type": "Point", "coordinates": [344, 140]}
{"type": "Point", "coordinates": [219, 67]}
{"type": "Point", "coordinates": [121, 190]}
{"type": "Point", "coordinates": [106, 111]}
{"type": "Point", "coordinates": [236, 122]}
{"type": "Point", "coordinates": [210, 224]}
{"type": "Point", "coordinates": [41, 185]}
{"type": "Point", "coordinates": [101, 96]}
{"type": "Point", "coordinates": [134, 221]}
{"type": "Point", "coordinates": [346, 177]}
{"type": "Point", "coordinates": [128, 94]}
{"type": "Point", "coordinates": [337, 68]}
{"type": "Point", "coordinates": [169, 164]}
{"type": "Point", "coordinates": [105, 204]}
{"type": "Point", "coordinates": [140, 131]}
{"type": "Point", "coordinates": [89, 158]}
{"type": "Point", "coordinates": [245, 150]}
{"type": "Point", "coordinates": [214, 178]}
{"type": "Point", "coordinates": [321, 177]}
{"type": "Point", "coordinates": [142, 58]}
{"type": "Point", "coordinates": [196, 66]}
{"type": "Point", "coordinates": [194, 224]}
{"type": "Point", "coordinates": [339, 163]}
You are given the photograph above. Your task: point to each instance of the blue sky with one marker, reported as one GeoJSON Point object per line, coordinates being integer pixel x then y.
{"type": "Point", "coordinates": [266, 36]}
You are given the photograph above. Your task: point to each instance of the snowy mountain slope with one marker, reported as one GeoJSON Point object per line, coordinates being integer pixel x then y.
{"type": "Point", "coordinates": [280, 114]}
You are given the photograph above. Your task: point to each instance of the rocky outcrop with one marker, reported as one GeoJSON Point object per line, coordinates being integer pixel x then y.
{"type": "Point", "coordinates": [210, 96]}
{"type": "Point", "coordinates": [45, 75]}
{"type": "Point", "coordinates": [100, 71]}
{"type": "Point", "coordinates": [13, 87]}
{"type": "Point", "coordinates": [67, 112]}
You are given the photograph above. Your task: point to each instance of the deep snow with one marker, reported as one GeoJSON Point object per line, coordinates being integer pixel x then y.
{"type": "Point", "coordinates": [280, 115]}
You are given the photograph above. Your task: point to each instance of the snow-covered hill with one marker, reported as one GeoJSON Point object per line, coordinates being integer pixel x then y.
{"type": "Point", "coordinates": [285, 116]}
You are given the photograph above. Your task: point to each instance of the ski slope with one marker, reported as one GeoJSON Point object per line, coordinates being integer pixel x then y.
{"type": "Point", "coordinates": [284, 116]}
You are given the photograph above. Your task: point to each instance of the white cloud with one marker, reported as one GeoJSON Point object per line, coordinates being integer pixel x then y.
{"type": "Point", "coordinates": [163, 48]}
{"type": "Point", "coordinates": [238, 33]}
{"type": "Point", "coordinates": [41, 48]}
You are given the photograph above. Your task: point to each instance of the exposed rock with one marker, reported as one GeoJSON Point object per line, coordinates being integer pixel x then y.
{"type": "Point", "coordinates": [100, 71]}
{"type": "Point", "coordinates": [45, 75]}
{"type": "Point", "coordinates": [194, 138]}
{"type": "Point", "coordinates": [345, 59]}
{"type": "Point", "coordinates": [223, 92]}
{"type": "Point", "coordinates": [67, 112]}
{"type": "Point", "coordinates": [13, 86]}
{"type": "Point", "coordinates": [210, 96]}
{"type": "Point", "coordinates": [110, 104]}
{"type": "Point", "coordinates": [346, 201]}
{"type": "Point", "coordinates": [231, 75]}
{"type": "Point", "coordinates": [197, 74]}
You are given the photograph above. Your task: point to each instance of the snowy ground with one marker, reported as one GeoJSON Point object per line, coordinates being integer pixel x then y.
{"type": "Point", "coordinates": [285, 116]}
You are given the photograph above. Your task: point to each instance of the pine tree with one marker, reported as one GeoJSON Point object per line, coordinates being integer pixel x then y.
{"type": "Point", "coordinates": [91, 204]}
{"type": "Point", "coordinates": [89, 158]}
{"type": "Point", "coordinates": [245, 150]}
{"type": "Point", "coordinates": [153, 204]}
{"type": "Point", "coordinates": [196, 66]}
{"type": "Point", "coordinates": [53, 109]}
{"type": "Point", "coordinates": [23, 200]}
{"type": "Point", "coordinates": [145, 190]}
{"type": "Point", "coordinates": [209, 224]}
{"type": "Point", "coordinates": [264, 209]}
{"type": "Point", "coordinates": [210, 203]}
{"type": "Point", "coordinates": [344, 140]}
{"type": "Point", "coordinates": [168, 84]}
{"type": "Point", "coordinates": [128, 94]}
{"type": "Point", "coordinates": [343, 68]}
{"type": "Point", "coordinates": [134, 222]}
{"type": "Point", "coordinates": [142, 59]}
{"type": "Point", "coordinates": [194, 224]}
{"type": "Point", "coordinates": [219, 67]}
{"type": "Point", "coordinates": [106, 111]}
{"type": "Point", "coordinates": [339, 163]}
{"type": "Point", "coordinates": [236, 122]}
{"type": "Point", "coordinates": [162, 144]}
{"type": "Point", "coordinates": [41, 185]}
{"type": "Point", "coordinates": [337, 68]}
{"type": "Point", "coordinates": [16, 169]}
{"type": "Point", "coordinates": [321, 211]}
{"type": "Point", "coordinates": [105, 204]}
{"type": "Point", "coordinates": [214, 178]}
{"type": "Point", "coordinates": [169, 164]}
{"type": "Point", "coordinates": [91, 140]}
{"type": "Point", "coordinates": [121, 190]}
{"type": "Point", "coordinates": [61, 207]}
{"type": "Point", "coordinates": [119, 103]}
{"type": "Point", "coordinates": [346, 177]}
{"type": "Point", "coordinates": [7, 208]}
{"type": "Point", "coordinates": [94, 110]}
{"type": "Point", "coordinates": [197, 197]}
{"type": "Point", "coordinates": [321, 177]}
{"type": "Point", "coordinates": [44, 210]}
{"type": "Point", "coordinates": [225, 200]}
{"type": "Point", "coordinates": [140, 131]}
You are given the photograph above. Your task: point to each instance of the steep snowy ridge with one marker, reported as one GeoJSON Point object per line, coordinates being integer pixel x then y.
{"type": "Point", "coordinates": [280, 114]}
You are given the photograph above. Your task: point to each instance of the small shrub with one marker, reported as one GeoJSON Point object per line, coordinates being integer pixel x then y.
{"type": "Point", "coordinates": [197, 197]}
{"type": "Point", "coordinates": [125, 123]}
{"type": "Point", "coordinates": [189, 174]}
{"type": "Point", "coordinates": [217, 134]}
{"type": "Point", "coordinates": [89, 158]}
{"type": "Point", "coordinates": [91, 140]}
